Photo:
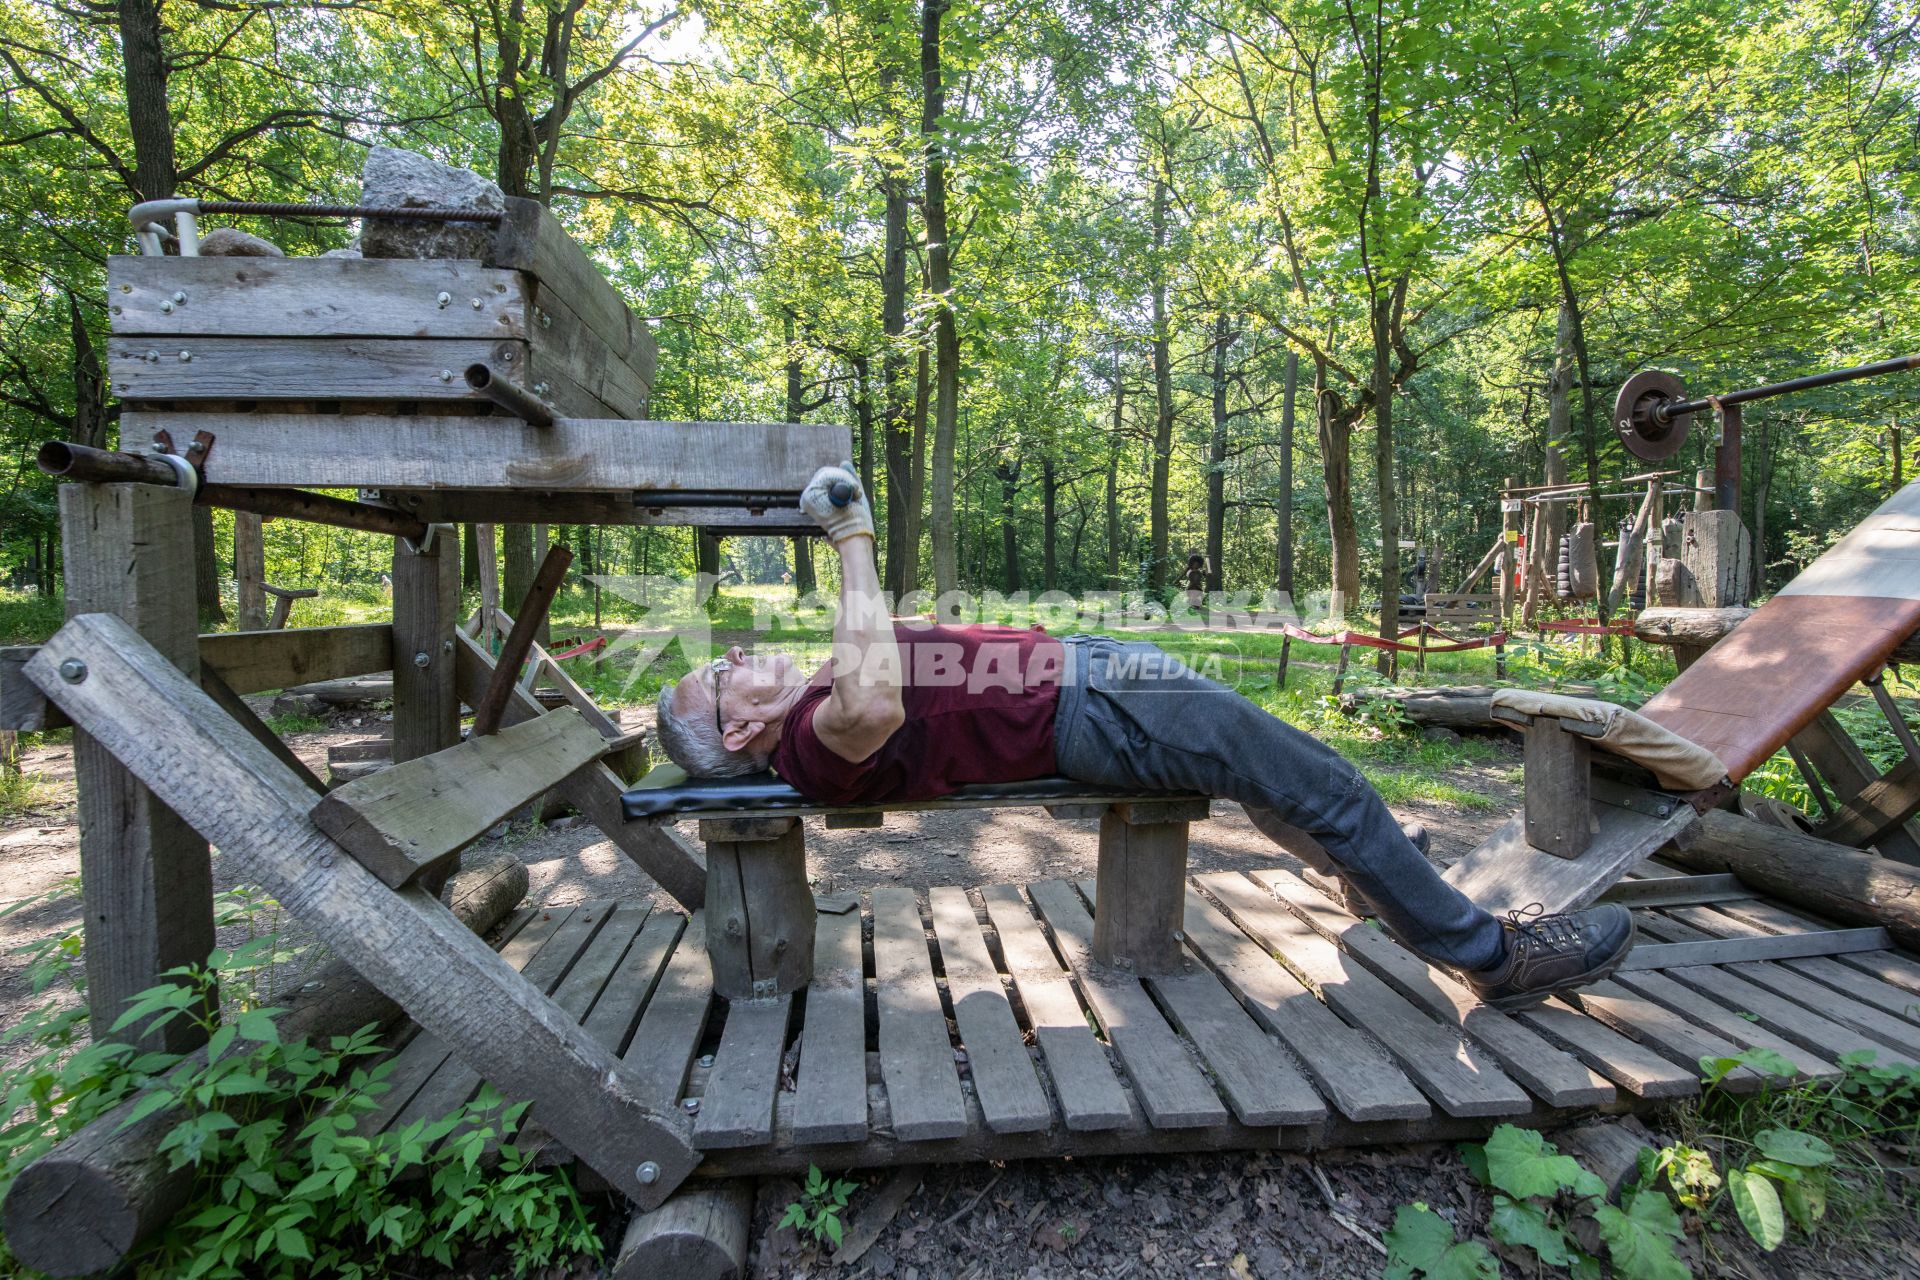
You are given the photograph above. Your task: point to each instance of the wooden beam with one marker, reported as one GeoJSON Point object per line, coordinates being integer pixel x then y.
{"type": "Point", "coordinates": [1559, 780]}
{"type": "Point", "coordinates": [526, 627]}
{"type": "Point", "coordinates": [426, 607]}
{"type": "Point", "coordinates": [595, 791]}
{"type": "Point", "coordinates": [431, 451]}
{"type": "Point", "coordinates": [256, 661]}
{"type": "Point", "coordinates": [146, 876]}
{"type": "Point", "coordinates": [1773, 946]}
{"type": "Point", "coordinates": [402, 821]}
{"type": "Point", "coordinates": [159, 723]}
{"type": "Point", "coordinates": [22, 706]}
{"type": "Point", "coordinates": [524, 506]}
{"type": "Point", "coordinates": [1881, 806]}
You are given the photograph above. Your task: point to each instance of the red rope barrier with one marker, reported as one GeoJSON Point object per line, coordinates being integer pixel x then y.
{"type": "Point", "coordinates": [579, 649]}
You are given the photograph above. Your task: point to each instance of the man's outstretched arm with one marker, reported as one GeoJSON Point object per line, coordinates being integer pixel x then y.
{"type": "Point", "coordinates": [865, 707]}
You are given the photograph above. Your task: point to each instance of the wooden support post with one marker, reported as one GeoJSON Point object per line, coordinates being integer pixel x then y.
{"type": "Point", "coordinates": [699, 1234]}
{"type": "Point", "coordinates": [1840, 763]}
{"type": "Point", "coordinates": [250, 570]}
{"type": "Point", "coordinates": [527, 623]}
{"type": "Point", "coordinates": [1140, 899]}
{"type": "Point", "coordinates": [146, 877]}
{"type": "Point", "coordinates": [1340, 672]}
{"type": "Point", "coordinates": [283, 598]}
{"type": "Point", "coordinates": [760, 913]}
{"type": "Point", "coordinates": [1286, 651]}
{"type": "Point", "coordinates": [426, 606]}
{"type": "Point", "coordinates": [1559, 776]}
{"type": "Point", "coordinates": [174, 738]}
{"type": "Point", "coordinates": [1509, 529]}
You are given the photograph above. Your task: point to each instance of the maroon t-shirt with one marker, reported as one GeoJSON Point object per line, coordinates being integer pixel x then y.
{"type": "Point", "coordinates": [979, 703]}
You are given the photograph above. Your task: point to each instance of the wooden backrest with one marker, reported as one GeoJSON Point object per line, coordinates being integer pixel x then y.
{"type": "Point", "coordinates": [1462, 608]}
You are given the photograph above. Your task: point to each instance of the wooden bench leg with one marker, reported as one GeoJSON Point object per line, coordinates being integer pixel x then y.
{"type": "Point", "coordinates": [760, 911]}
{"type": "Point", "coordinates": [1141, 891]}
{"type": "Point", "coordinates": [1559, 772]}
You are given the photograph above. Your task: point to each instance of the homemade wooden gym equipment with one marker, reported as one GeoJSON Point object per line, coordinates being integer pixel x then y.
{"type": "Point", "coordinates": [766, 1030]}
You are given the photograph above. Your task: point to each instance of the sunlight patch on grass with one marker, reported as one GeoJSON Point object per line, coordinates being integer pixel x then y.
{"type": "Point", "coordinates": [1401, 786]}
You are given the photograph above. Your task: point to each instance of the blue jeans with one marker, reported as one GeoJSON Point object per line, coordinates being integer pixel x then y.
{"type": "Point", "coordinates": [1131, 715]}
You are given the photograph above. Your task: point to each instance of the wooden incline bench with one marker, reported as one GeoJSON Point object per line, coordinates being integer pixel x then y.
{"type": "Point", "coordinates": [1770, 681]}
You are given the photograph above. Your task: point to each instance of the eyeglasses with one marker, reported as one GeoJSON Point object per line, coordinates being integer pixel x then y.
{"type": "Point", "coordinates": [719, 667]}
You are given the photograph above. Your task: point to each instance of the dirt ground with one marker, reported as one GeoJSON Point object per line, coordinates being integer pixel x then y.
{"type": "Point", "coordinates": [1237, 1215]}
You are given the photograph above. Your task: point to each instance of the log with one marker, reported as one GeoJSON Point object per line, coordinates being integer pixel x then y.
{"type": "Point", "coordinates": [1463, 708]}
{"type": "Point", "coordinates": [87, 1203]}
{"type": "Point", "coordinates": [1710, 626]}
{"type": "Point", "coordinates": [699, 1234]}
{"type": "Point", "coordinates": [1828, 879]}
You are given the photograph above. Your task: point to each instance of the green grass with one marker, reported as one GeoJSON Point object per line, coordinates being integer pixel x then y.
{"type": "Point", "coordinates": [1397, 786]}
{"type": "Point", "coordinates": [23, 794]}
{"type": "Point", "coordinates": [28, 618]}
{"type": "Point", "coordinates": [294, 723]}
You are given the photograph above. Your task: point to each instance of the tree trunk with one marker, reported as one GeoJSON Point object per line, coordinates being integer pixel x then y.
{"type": "Point", "coordinates": [470, 557]}
{"type": "Point", "coordinates": [148, 115]}
{"type": "Point", "coordinates": [89, 386]}
{"type": "Point", "coordinates": [1157, 519]}
{"type": "Point", "coordinates": [1283, 501]}
{"type": "Point", "coordinates": [1113, 471]}
{"type": "Point", "coordinates": [946, 338]}
{"type": "Point", "coordinates": [896, 422]}
{"type": "Point", "coordinates": [1009, 473]}
{"type": "Point", "coordinates": [517, 565]}
{"type": "Point", "coordinates": [1049, 518]}
{"type": "Point", "coordinates": [1336, 459]}
{"type": "Point", "coordinates": [1383, 467]}
{"type": "Point", "coordinates": [863, 414]}
{"type": "Point", "coordinates": [1223, 337]}
{"type": "Point", "coordinates": [803, 580]}
{"type": "Point", "coordinates": [515, 154]}
{"type": "Point", "coordinates": [917, 510]}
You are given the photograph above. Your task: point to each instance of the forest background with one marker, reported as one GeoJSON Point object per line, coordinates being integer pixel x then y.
{"type": "Point", "coordinates": [1095, 283]}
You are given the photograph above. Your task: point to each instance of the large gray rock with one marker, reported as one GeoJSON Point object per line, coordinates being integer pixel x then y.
{"type": "Point", "coordinates": [396, 179]}
{"type": "Point", "coordinates": [227, 242]}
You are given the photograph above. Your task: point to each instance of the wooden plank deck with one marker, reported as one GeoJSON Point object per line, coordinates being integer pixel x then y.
{"type": "Point", "coordinates": [995, 1036]}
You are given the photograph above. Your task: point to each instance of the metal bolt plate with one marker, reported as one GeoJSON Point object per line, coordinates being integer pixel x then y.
{"type": "Point", "coordinates": [73, 671]}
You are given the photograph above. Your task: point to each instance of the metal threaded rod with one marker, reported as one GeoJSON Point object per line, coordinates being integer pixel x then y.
{"type": "Point", "coordinates": [1679, 408]}
{"type": "Point", "coordinates": [273, 209]}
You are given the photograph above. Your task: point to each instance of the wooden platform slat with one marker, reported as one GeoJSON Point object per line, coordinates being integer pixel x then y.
{"type": "Point", "coordinates": [737, 1108]}
{"type": "Point", "coordinates": [1782, 976]}
{"type": "Point", "coordinates": [456, 1082]}
{"type": "Point", "coordinates": [669, 1032]}
{"type": "Point", "coordinates": [1170, 1086]}
{"type": "Point", "coordinates": [1826, 970]}
{"type": "Point", "coordinates": [1090, 1095]}
{"type": "Point", "coordinates": [1716, 1017]}
{"type": "Point", "coordinates": [1661, 1029]}
{"type": "Point", "coordinates": [1462, 1077]}
{"type": "Point", "coordinates": [1628, 1063]}
{"type": "Point", "coordinates": [1262, 1085]}
{"type": "Point", "coordinates": [1747, 991]}
{"type": "Point", "coordinates": [1345, 1063]}
{"type": "Point", "coordinates": [1549, 1071]}
{"type": "Point", "coordinates": [1890, 967]}
{"type": "Point", "coordinates": [830, 1097]}
{"type": "Point", "coordinates": [618, 1008]}
{"type": "Point", "coordinates": [422, 1056]}
{"type": "Point", "coordinates": [916, 1054]}
{"type": "Point", "coordinates": [1004, 1079]}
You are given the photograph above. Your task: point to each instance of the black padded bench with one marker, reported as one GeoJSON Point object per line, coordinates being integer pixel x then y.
{"type": "Point", "coordinates": [760, 910]}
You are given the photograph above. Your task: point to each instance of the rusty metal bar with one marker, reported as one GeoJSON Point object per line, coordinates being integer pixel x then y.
{"type": "Point", "coordinates": [1678, 408]}
{"type": "Point", "coordinates": [515, 399]}
{"type": "Point", "coordinates": [106, 466]}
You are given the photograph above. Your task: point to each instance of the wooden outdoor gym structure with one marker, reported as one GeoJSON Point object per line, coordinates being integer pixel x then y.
{"type": "Point", "coordinates": [768, 1028]}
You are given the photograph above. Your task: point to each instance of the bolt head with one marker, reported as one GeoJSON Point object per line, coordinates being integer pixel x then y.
{"type": "Point", "coordinates": [648, 1173]}
{"type": "Point", "coordinates": [186, 357]}
{"type": "Point", "coordinates": [153, 357]}
{"type": "Point", "coordinates": [690, 1105]}
{"type": "Point", "coordinates": [706, 1060]}
{"type": "Point", "coordinates": [166, 308]}
{"type": "Point", "coordinates": [421, 658]}
{"type": "Point", "coordinates": [446, 375]}
{"type": "Point", "coordinates": [444, 299]}
{"type": "Point", "coordinates": [477, 304]}
{"type": "Point", "coordinates": [179, 297]}
{"type": "Point", "coordinates": [73, 671]}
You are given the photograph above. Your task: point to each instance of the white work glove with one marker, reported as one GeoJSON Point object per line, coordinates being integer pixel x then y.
{"type": "Point", "coordinates": [839, 522]}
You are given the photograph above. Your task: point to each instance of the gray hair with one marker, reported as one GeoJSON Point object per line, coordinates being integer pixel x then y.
{"type": "Point", "coordinates": [692, 743]}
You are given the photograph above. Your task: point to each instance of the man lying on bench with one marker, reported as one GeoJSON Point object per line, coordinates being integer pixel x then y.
{"type": "Point", "coordinates": [912, 711]}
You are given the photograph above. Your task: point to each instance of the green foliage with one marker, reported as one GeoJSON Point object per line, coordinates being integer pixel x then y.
{"type": "Point", "coordinates": [1420, 1243]}
{"type": "Point", "coordinates": [295, 722]}
{"type": "Point", "coordinates": [816, 1214]}
{"type": "Point", "coordinates": [284, 1185]}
